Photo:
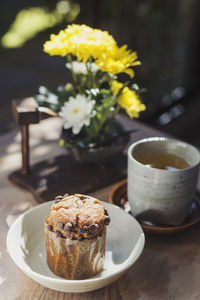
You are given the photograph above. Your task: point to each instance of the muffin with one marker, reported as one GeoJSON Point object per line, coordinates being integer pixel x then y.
{"type": "Point", "coordinates": [75, 236]}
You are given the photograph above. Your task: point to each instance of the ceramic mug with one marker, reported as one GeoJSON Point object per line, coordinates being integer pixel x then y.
{"type": "Point", "coordinates": [157, 195]}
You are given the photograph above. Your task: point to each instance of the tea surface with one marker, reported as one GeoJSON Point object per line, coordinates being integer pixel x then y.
{"type": "Point", "coordinates": [165, 161]}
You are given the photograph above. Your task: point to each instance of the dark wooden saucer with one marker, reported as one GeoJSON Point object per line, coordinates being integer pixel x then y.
{"type": "Point", "coordinates": [118, 196]}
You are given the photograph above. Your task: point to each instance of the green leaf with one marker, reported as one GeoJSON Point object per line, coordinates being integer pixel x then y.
{"type": "Point", "coordinates": [104, 91]}
{"type": "Point", "coordinates": [62, 142]}
{"type": "Point", "coordinates": [43, 90]}
{"type": "Point", "coordinates": [52, 98]}
{"type": "Point", "coordinates": [142, 90]}
{"type": "Point", "coordinates": [108, 102]}
{"type": "Point", "coordinates": [98, 115]}
{"type": "Point", "coordinates": [61, 89]}
{"type": "Point", "coordinates": [40, 99]}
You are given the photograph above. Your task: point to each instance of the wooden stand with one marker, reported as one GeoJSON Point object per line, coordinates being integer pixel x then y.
{"type": "Point", "coordinates": [61, 174]}
{"type": "Point", "coordinates": [25, 112]}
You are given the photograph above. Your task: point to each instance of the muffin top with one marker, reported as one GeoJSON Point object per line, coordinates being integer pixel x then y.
{"type": "Point", "coordinates": [77, 217]}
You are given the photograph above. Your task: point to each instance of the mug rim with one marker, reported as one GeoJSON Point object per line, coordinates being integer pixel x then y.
{"type": "Point", "coordinates": [161, 138]}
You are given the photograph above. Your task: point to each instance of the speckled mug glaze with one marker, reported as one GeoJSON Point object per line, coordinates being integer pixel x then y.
{"type": "Point", "coordinates": [162, 196]}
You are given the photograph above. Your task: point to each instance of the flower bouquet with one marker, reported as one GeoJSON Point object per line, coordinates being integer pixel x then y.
{"type": "Point", "coordinates": [90, 104]}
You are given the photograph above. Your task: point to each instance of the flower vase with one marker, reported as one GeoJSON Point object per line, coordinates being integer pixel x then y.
{"type": "Point", "coordinates": [101, 153]}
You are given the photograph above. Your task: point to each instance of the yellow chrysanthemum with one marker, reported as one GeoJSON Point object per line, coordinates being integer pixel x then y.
{"type": "Point", "coordinates": [128, 99]}
{"type": "Point", "coordinates": [58, 45]}
{"type": "Point", "coordinates": [116, 86]}
{"type": "Point", "coordinates": [118, 60]}
{"type": "Point", "coordinates": [81, 41]}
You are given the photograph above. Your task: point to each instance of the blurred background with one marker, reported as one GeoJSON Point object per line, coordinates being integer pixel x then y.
{"type": "Point", "coordinates": [166, 35]}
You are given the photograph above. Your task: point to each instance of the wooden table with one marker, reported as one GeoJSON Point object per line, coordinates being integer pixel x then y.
{"type": "Point", "coordinates": [169, 267]}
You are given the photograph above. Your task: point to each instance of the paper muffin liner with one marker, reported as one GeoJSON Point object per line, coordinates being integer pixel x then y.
{"type": "Point", "coordinates": [73, 259]}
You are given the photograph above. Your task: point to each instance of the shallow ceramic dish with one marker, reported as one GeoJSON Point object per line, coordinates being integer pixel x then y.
{"type": "Point", "coordinates": [118, 196]}
{"type": "Point", "coordinates": [26, 246]}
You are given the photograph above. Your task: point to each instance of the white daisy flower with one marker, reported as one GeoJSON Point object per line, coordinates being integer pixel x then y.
{"type": "Point", "coordinates": [80, 67]}
{"type": "Point", "coordinates": [77, 112]}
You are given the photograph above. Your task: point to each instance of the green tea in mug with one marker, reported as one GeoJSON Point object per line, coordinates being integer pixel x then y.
{"type": "Point", "coordinates": [163, 160]}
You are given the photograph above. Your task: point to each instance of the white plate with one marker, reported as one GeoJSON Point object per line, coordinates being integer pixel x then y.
{"type": "Point", "coordinates": [26, 246]}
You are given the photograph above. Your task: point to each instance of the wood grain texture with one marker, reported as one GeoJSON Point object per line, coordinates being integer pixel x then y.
{"type": "Point", "coordinates": [169, 267]}
{"type": "Point", "coordinates": [62, 174]}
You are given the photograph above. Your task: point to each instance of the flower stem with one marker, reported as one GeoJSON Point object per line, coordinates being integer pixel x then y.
{"type": "Point", "coordinates": [69, 59]}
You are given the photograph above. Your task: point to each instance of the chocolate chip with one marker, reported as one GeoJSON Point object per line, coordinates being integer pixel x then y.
{"type": "Point", "coordinates": [65, 195]}
{"type": "Point", "coordinates": [107, 220]}
{"type": "Point", "coordinates": [50, 228]}
{"type": "Point", "coordinates": [58, 233]}
{"type": "Point", "coordinates": [84, 229]}
{"type": "Point", "coordinates": [68, 226]}
{"type": "Point", "coordinates": [82, 197]}
{"type": "Point", "coordinates": [73, 224]}
{"type": "Point", "coordinates": [58, 197]}
{"type": "Point", "coordinates": [61, 225]}
{"type": "Point", "coordinates": [106, 212]}
{"type": "Point", "coordinates": [56, 201]}
{"type": "Point", "coordinates": [93, 228]}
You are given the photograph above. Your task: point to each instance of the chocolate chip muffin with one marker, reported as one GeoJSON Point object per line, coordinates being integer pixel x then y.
{"type": "Point", "coordinates": [75, 235]}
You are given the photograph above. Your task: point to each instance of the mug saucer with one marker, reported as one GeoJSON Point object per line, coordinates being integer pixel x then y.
{"type": "Point", "coordinates": [118, 196]}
